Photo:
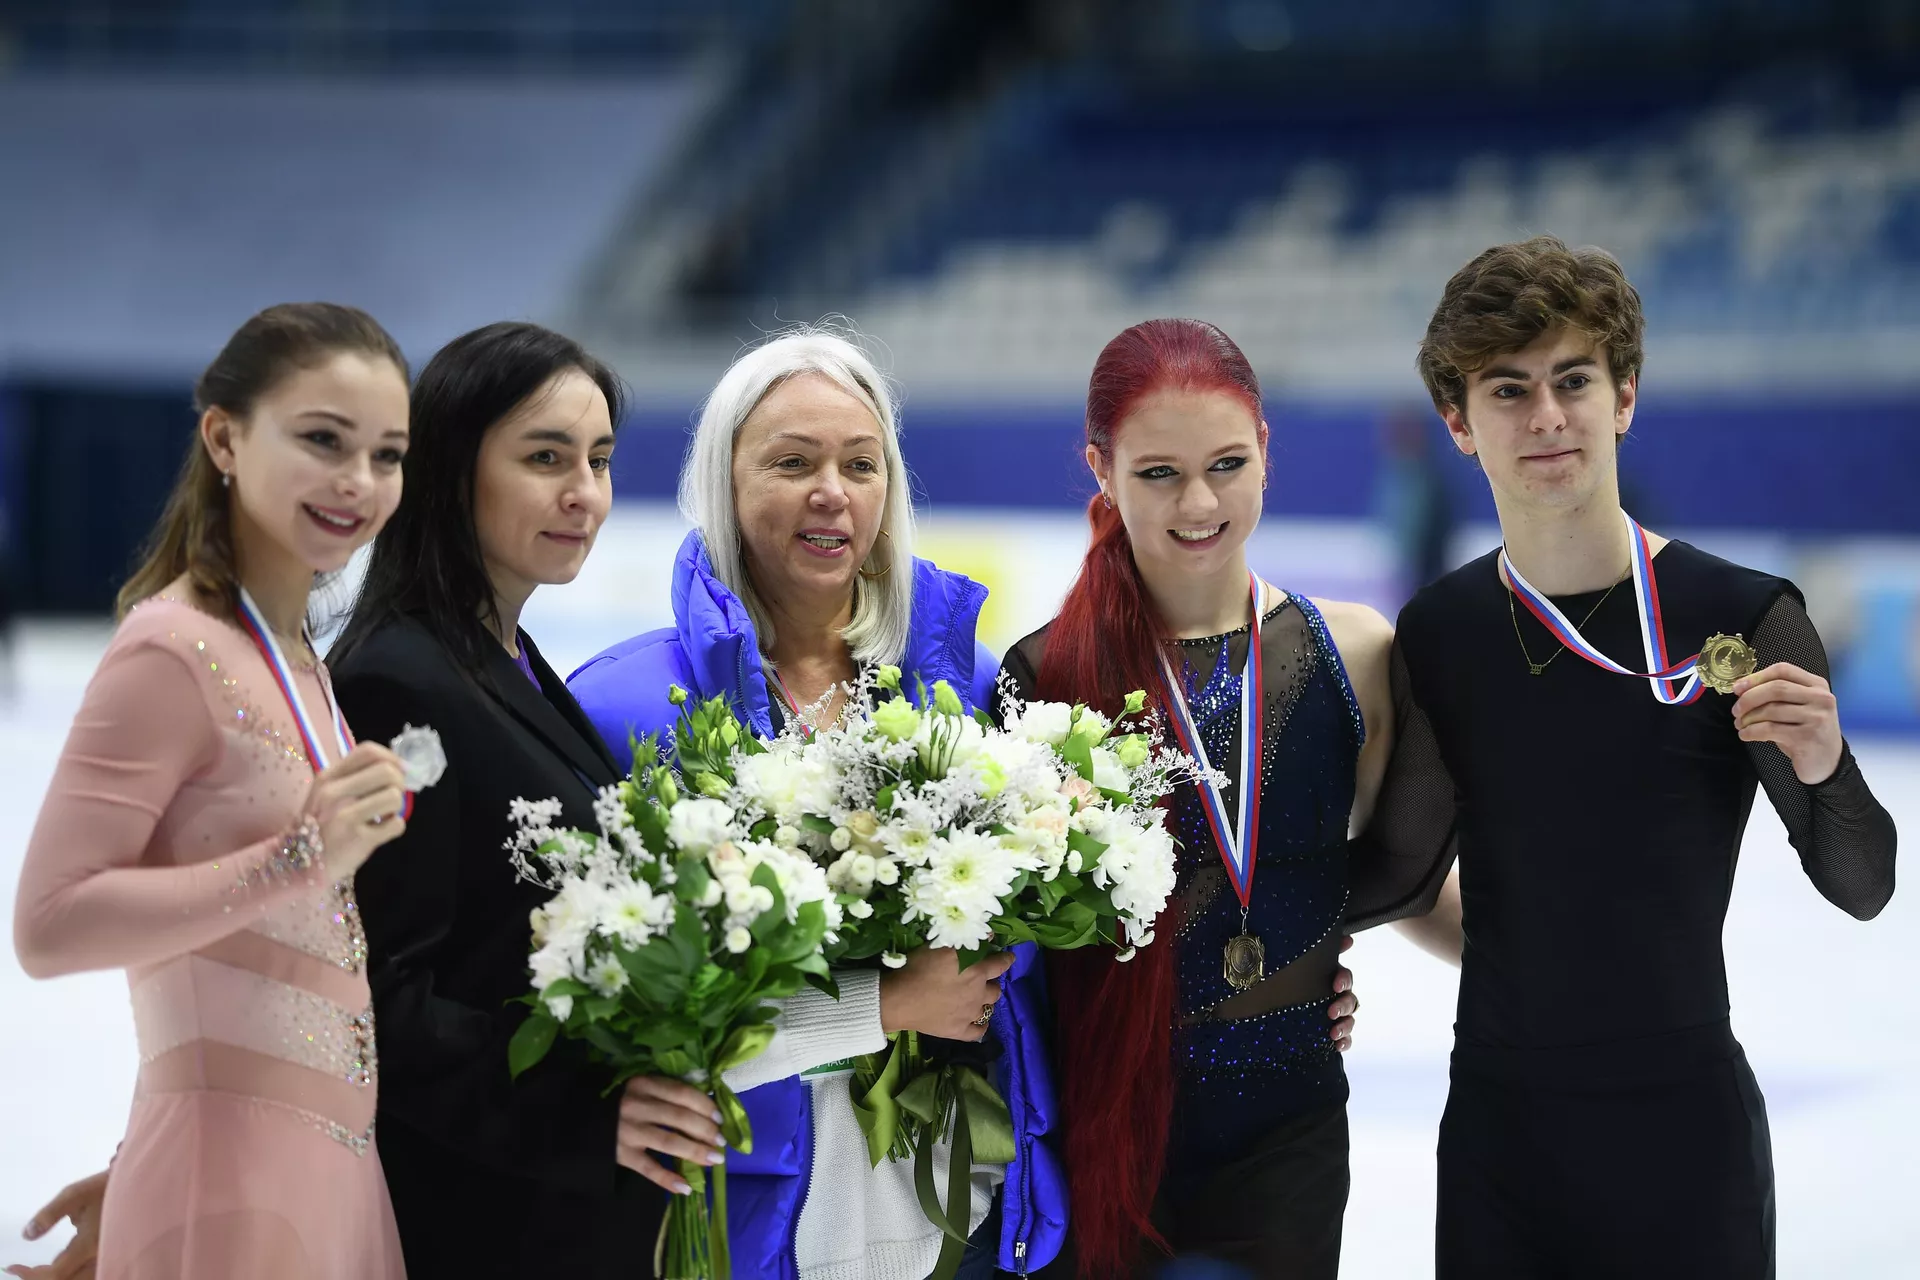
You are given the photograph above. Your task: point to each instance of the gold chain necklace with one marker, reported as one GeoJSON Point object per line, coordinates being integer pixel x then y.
{"type": "Point", "coordinates": [1538, 668]}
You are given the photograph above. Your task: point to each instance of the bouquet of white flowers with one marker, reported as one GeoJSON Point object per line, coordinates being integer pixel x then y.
{"type": "Point", "coordinates": [670, 933]}
{"type": "Point", "coordinates": [935, 828]}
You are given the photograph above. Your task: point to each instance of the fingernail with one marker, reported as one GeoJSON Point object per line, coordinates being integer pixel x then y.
{"type": "Point", "coordinates": [719, 1144]}
{"type": "Point", "coordinates": [34, 1229]}
{"type": "Point", "coordinates": [682, 1189]}
{"type": "Point", "coordinates": [718, 1157]}
{"type": "Point", "coordinates": [717, 1117]}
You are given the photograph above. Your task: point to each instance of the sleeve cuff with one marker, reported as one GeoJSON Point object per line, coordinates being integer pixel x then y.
{"type": "Point", "coordinates": [814, 1029]}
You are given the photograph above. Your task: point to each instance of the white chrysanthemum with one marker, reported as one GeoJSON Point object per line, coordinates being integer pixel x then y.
{"type": "Point", "coordinates": [952, 925]}
{"type": "Point", "coordinates": [607, 976]}
{"type": "Point", "coordinates": [634, 913]}
{"type": "Point", "coordinates": [573, 912]}
{"type": "Point", "coordinates": [1137, 870]}
{"type": "Point", "coordinates": [550, 964]}
{"type": "Point", "coordinates": [738, 940]}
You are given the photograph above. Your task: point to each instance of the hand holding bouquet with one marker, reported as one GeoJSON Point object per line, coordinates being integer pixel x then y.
{"type": "Point", "coordinates": [936, 828]}
{"type": "Point", "coordinates": [671, 932]}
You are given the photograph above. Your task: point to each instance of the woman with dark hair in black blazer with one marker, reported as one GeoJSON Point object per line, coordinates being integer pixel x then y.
{"type": "Point", "coordinates": [506, 487]}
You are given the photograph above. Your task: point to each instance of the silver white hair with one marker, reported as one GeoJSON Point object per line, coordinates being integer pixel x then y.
{"type": "Point", "coordinates": [883, 605]}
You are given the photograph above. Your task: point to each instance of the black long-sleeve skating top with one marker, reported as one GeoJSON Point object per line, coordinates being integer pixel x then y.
{"type": "Point", "coordinates": [1596, 829]}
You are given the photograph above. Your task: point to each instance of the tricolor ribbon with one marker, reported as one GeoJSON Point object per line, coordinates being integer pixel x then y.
{"type": "Point", "coordinates": [1646, 593]}
{"type": "Point", "coordinates": [254, 623]}
{"type": "Point", "coordinates": [1238, 844]}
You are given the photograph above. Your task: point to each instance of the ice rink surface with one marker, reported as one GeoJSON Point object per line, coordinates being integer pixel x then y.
{"type": "Point", "coordinates": [1826, 1007]}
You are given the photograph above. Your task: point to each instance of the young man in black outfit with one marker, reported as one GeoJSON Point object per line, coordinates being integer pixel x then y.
{"type": "Point", "coordinates": [1603, 1121]}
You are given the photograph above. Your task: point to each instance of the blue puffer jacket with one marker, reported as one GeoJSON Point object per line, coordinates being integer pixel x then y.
{"type": "Point", "coordinates": [711, 650]}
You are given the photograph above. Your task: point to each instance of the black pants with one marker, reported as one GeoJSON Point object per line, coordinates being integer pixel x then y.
{"type": "Point", "coordinates": [461, 1222]}
{"type": "Point", "coordinates": [1657, 1174]}
{"type": "Point", "coordinates": [1274, 1213]}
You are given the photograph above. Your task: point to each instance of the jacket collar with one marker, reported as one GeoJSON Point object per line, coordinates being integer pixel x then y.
{"type": "Point", "coordinates": [717, 636]}
{"type": "Point", "coordinates": [550, 712]}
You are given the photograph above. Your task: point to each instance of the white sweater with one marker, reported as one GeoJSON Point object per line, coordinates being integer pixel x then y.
{"type": "Point", "coordinates": [858, 1222]}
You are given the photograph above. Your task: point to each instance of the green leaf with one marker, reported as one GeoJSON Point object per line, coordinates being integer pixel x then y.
{"type": "Point", "coordinates": [656, 971]}
{"type": "Point", "coordinates": [1013, 929]}
{"type": "Point", "coordinates": [530, 1042]}
{"type": "Point", "coordinates": [688, 937]}
{"type": "Point", "coordinates": [603, 1039]}
{"type": "Point", "coordinates": [1077, 753]}
{"type": "Point", "coordinates": [735, 1127]}
{"type": "Point", "coordinates": [814, 822]}
{"type": "Point", "coordinates": [693, 879]}
{"type": "Point", "coordinates": [743, 1045]}
{"type": "Point", "coordinates": [670, 1032]}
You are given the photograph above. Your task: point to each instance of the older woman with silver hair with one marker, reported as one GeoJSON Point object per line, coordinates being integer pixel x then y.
{"type": "Point", "coordinates": [799, 573]}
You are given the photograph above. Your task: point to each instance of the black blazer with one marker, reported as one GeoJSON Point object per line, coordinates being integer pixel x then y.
{"type": "Point", "coordinates": [489, 1176]}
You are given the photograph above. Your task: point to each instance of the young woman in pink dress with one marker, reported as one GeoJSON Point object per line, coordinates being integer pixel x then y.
{"type": "Point", "coordinates": [207, 815]}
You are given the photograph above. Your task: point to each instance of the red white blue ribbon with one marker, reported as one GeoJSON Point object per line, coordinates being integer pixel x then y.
{"type": "Point", "coordinates": [254, 623]}
{"type": "Point", "coordinates": [1238, 843]}
{"type": "Point", "coordinates": [1674, 684]}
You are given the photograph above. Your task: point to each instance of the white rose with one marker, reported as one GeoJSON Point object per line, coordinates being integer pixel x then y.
{"type": "Point", "coordinates": [1047, 722]}
{"type": "Point", "coordinates": [699, 824]}
{"type": "Point", "coordinates": [1108, 773]}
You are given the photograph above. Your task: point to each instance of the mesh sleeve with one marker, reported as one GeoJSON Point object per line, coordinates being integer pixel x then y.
{"type": "Point", "coordinates": [1397, 865]}
{"type": "Point", "coordinates": [1844, 837]}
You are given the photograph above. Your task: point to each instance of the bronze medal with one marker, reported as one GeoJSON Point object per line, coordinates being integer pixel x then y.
{"type": "Point", "coordinates": [1723, 660]}
{"type": "Point", "coordinates": [1246, 961]}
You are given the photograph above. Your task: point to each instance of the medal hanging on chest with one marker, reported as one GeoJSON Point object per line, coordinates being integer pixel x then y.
{"type": "Point", "coordinates": [254, 623]}
{"type": "Point", "coordinates": [1236, 828]}
{"type": "Point", "coordinates": [1721, 660]}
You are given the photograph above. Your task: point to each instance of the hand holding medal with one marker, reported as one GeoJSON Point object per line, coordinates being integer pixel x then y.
{"type": "Point", "coordinates": [1794, 710]}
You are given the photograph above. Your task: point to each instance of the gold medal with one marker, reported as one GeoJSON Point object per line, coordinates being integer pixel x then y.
{"type": "Point", "coordinates": [1246, 961]}
{"type": "Point", "coordinates": [1723, 660]}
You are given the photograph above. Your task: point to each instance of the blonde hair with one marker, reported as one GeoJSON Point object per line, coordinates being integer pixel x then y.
{"type": "Point", "coordinates": [883, 605]}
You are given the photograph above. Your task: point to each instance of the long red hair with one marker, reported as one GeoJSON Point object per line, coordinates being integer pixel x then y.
{"type": "Point", "coordinates": [1114, 1022]}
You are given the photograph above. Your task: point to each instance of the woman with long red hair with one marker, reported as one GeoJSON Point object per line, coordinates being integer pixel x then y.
{"type": "Point", "coordinates": [1203, 1096]}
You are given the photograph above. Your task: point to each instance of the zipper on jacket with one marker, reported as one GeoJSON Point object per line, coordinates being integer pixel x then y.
{"type": "Point", "coordinates": [806, 1189]}
{"type": "Point", "coordinates": [1024, 1142]}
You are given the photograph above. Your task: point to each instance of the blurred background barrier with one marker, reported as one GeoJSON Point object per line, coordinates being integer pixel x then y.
{"type": "Point", "coordinates": [991, 190]}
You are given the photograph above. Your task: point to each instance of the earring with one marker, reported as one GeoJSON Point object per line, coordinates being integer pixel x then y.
{"type": "Point", "coordinates": [871, 576]}
{"type": "Point", "coordinates": [1107, 498]}
{"type": "Point", "coordinates": [226, 480]}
